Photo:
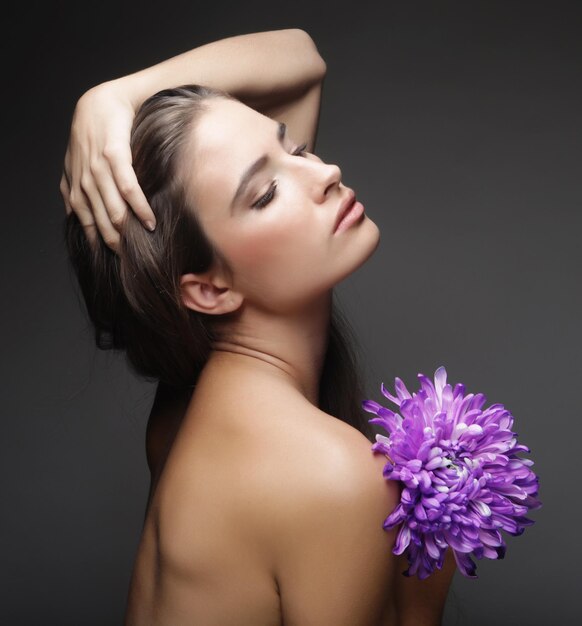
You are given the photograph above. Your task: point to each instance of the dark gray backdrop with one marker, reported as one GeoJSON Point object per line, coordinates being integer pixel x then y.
{"type": "Point", "coordinates": [458, 125]}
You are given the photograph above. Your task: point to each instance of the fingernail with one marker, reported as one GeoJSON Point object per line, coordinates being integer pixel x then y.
{"type": "Point", "coordinates": [150, 225]}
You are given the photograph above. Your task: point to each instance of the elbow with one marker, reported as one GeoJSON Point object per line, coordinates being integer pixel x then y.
{"type": "Point", "coordinates": [315, 62]}
{"type": "Point", "coordinates": [321, 68]}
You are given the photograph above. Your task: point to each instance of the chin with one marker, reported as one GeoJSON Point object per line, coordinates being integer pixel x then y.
{"type": "Point", "coordinates": [367, 244]}
{"type": "Point", "coordinates": [372, 238]}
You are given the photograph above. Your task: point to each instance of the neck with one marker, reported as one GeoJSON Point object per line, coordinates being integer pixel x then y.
{"type": "Point", "coordinates": [292, 346]}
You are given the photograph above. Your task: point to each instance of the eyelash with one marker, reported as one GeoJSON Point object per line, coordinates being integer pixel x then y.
{"type": "Point", "coordinates": [262, 202]}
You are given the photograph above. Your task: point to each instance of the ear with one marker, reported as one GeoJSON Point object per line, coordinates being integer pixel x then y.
{"type": "Point", "coordinates": [207, 294]}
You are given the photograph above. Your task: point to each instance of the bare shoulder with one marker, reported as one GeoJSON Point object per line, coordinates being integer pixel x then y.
{"type": "Point", "coordinates": [341, 465]}
{"type": "Point", "coordinates": [332, 558]}
{"type": "Point", "coordinates": [320, 456]}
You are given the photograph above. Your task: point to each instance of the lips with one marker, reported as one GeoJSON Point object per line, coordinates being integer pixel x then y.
{"type": "Point", "coordinates": [345, 206]}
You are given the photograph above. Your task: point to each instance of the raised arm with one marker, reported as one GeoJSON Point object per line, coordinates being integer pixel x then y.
{"type": "Point", "coordinates": [265, 70]}
{"type": "Point", "coordinates": [279, 73]}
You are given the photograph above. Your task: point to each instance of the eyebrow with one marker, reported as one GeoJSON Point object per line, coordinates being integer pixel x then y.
{"type": "Point", "coordinates": [256, 167]}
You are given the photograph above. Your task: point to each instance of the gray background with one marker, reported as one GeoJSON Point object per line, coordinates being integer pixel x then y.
{"type": "Point", "coordinates": [458, 125]}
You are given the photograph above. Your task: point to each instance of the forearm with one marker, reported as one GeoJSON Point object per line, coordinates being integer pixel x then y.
{"type": "Point", "coordinates": [262, 69]}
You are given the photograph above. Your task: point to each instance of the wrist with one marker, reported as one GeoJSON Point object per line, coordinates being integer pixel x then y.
{"type": "Point", "coordinates": [132, 88]}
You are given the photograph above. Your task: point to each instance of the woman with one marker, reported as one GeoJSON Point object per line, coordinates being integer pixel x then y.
{"type": "Point", "coordinates": [266, 503]}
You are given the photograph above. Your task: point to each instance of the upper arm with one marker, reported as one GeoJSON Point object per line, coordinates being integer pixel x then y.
{"type": "Point", "coordinates": [334, 562]}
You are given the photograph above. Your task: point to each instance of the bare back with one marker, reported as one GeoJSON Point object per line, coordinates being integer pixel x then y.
{"type": "Point", "coordinates": [209, 552]}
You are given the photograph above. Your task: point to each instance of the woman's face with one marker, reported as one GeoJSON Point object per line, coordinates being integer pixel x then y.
{"type": "Point", "coordinates": [277, 233]}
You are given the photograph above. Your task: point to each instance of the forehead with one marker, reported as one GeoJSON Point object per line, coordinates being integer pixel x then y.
{"type": "Point", "coordinates": [227, 138]}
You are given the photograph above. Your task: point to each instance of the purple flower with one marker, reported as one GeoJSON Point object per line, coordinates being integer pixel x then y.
{"type": "Point", "coordinates": [462, 482]}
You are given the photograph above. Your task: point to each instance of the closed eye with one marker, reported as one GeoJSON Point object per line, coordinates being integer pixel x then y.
{"type": "Point", "coordinates": [264, 200]}
{"type": "Point", "coordinates": [302, 150]}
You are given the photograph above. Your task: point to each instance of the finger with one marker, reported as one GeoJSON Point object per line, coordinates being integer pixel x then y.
{"type": "Point", "coordinates": [114, 203]}
{"type": "Point", "coordinates": [65, 193]}
{"type": "Point", "coordinates": [65, 184]}
{"type": "Point", "coordinates": [80, 206]}
{"type": "Point", "coordinates": [128, 185]}
{"type": "Point", "coordinates": [101, 218]}
{"type": "Point", "coordinates": [91, 234]}
{"type": "Point", "coordinates": [78, 200]}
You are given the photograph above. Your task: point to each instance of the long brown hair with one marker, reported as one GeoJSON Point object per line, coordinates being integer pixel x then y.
{"type": "Point", "coordinates": [134, 300]}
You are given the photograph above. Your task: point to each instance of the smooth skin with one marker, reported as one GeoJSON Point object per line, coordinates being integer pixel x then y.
{"type": "Point", "coordinates": [263, 509]}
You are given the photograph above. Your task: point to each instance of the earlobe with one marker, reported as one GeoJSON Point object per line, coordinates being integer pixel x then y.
{"type": "Point", "coordinates": [200, 294]}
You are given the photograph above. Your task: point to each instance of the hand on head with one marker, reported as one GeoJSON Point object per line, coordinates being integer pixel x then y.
{"type": "Point", "coordinates": [98, 181]}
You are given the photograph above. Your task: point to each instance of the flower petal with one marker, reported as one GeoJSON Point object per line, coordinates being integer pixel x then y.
{"type": "Point", "coordinates": [461, 481]}
{"type": "Point", "coordinates": [402, 540]}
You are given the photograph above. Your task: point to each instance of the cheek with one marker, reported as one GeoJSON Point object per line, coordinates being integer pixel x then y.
{"type": "Point", "coordinates": [277, 248]}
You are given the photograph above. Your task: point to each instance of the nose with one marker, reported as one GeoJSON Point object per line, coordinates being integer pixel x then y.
{"type": "Point", "coordinates": [329, 177]}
